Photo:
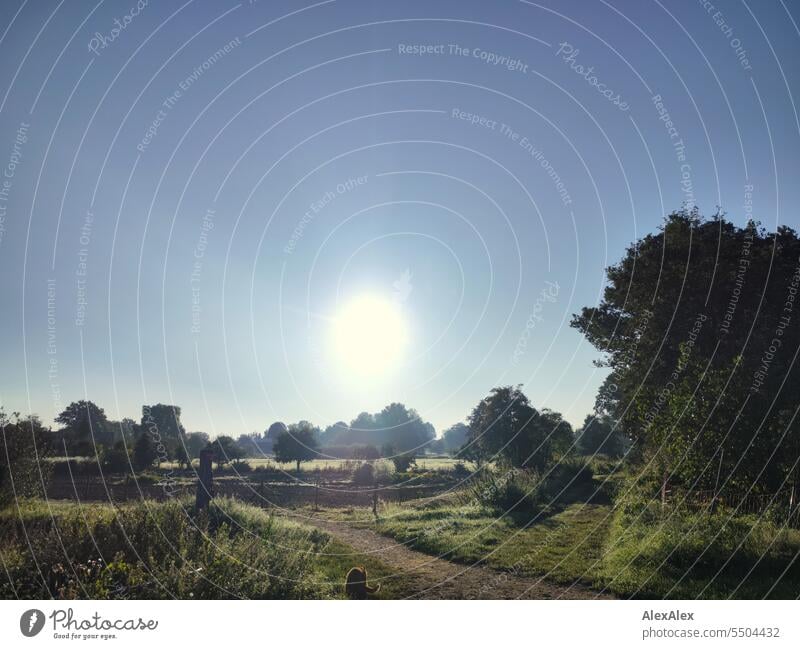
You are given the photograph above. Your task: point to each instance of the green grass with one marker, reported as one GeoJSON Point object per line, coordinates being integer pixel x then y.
{"type": "Point", "coordinates": [685, 555]}
{"type": "Point", "coordinates": [151, 550]}
{"type": "Point", "coordinates": [673, 554]}
{"type": "Point", "coordinates": [566, 547]}
{"type": "Point", "coordinates": [432, 464]}
{"type": "Point", "coordinates": [339, 558]}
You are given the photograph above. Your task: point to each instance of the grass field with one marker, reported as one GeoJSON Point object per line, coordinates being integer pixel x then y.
{"type": "Point", "coordinates": [566, 547]}
{"type": "Point", "coordinates": [675, 554]}
{"type": "Point", "coordinates": [635, 547]}
{"type": "Point", "coordinates": [152, 550]}
{"type": "Point", "coordinates": [425, 463]}
{"type": "Point", "coordinates": [434, 463]}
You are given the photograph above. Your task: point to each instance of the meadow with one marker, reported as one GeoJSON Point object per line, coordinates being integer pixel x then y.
{"type": "Point", "coordinates": [154, 550]}
{"type": "Point", "coordinates": [584, 527]}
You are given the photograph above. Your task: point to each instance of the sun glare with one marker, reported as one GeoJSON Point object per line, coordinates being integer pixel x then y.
{"type": "Point", "coordinates": [369, 336]}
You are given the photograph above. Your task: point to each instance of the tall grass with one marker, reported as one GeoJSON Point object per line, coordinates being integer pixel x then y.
{"type": "Point", "coordinates": [156, 550]}
{"type": "Point", "coordinates": [681, 553]}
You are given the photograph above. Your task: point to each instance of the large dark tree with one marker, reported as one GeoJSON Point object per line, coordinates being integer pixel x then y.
{"type": "Point", "coordinates": [23, 446]}
{"type": "Point", "coordinates": [559, 431]}
{"type": "Point", "coordinates": [454, 437]}
{"type": "Point", "coordinates": [506, 428]}
{"type": "Point", "coordinates": [396, 425]}
{"type": "Point", "coordinates": [195, 442]}
{"type": "Point", "coordinates": [699, 327]}
{"type": "Point", "coordinates": [600, 434]}
{"type": "Point", "coordinates": [144, 452]}
{"type": "Point", "coordinates": [275, 430]}
{"type": "Point", "coordinates": [404, 429]}
{"type": "Point", "coordinates": [85, 425]}
{"type": "Point", "coordinates": [333, 433]}
{"type": "Point", "coordinates": [298, 444]}
{"type": "Point", "coordinates": [163, 423]}
{"type": "Point", "coordinates": [225, 450]}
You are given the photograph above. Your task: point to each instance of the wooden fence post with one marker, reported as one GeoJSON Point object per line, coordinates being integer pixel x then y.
{"type": "Point", "coordinates": [205, 484]}
{"type": "Point", "coordinates": [715, 496]}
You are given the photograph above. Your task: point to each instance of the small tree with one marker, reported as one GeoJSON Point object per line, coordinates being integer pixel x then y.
{"type": "Point", "coordinates": [196, 442]}
{"type": "Point", "coordinates": [115, 458]}
{"type": "Point", "coordinates": [182, 457]}
{"type": "Point", "coordinates": [225, 450]}
{"type": "Point", "coordinates": [402, 461]}
{"type": "Point", "coordinates": [144, 452]}
{"type": "Point", "coordinates": [298, 444]}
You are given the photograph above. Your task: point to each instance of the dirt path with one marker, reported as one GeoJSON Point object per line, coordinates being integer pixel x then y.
{"type": "Point", "coordinates": [432, 578]}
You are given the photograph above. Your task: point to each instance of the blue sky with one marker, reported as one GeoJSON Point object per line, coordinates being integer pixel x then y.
{"type": "Point", "coordinates": [193, 198]}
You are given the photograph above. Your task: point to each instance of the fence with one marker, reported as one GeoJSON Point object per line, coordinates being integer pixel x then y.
{"type": "Point", "coordinates": [781, 506]}
{"type": "Point", "coordinates": [264, 494]}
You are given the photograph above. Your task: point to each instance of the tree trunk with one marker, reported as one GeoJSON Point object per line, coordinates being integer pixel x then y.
{"type": "Point", "coordinates": [298, 466]}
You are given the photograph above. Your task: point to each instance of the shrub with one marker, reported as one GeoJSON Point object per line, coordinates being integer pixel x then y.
{"type": "Point", "coordinates": [115, 459]}
{"type": "Point", "coordinates": [241, 466]}
{"type": "Point", "coordinates": [571, 479]}
{"type": "Point", "coordinates": [383, 474]}
{"type": "Point", "coordinates": [403, 462]}
{"type": "Point", "coordinates": [510, 491]}
{"type": "Point", "coordinates": [364, 474]}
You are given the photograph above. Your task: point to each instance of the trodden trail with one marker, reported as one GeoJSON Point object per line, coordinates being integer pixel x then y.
{"type": "Point", "coordinates": [433, 578]}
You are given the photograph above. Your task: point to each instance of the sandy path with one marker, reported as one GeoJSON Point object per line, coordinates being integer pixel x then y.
{"type": "Point", "coordinates": [433, 578]}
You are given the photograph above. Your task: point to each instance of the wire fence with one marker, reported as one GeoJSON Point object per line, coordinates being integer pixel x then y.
{"type": "Point", "coordinates": [781, 507]}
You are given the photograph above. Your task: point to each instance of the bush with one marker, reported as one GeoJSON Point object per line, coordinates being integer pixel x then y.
{"type": "Point", "coordinates": [511, 491]}
{"type": "Point", "coordinates": [403, 462]}
{"type": "Point", "coordinates": [72, 468]}
{"type": "Point", "coordinates": [115, 459]}
{"type": "Point", "coordinates": [241, 466]}
{"type": "Point", "coordinates": [364, 474]}
{"type": "Point", "coordinates": [569, 480]}
{"type": "Point", "coordinates": [383, 474]}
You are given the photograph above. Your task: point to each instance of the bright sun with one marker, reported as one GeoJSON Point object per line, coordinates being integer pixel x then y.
{"type": "Point", "coordinates": [369, 335]}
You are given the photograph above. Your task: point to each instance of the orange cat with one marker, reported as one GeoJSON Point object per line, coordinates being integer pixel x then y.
{"type": "Point", "coordinates": [355, 585]}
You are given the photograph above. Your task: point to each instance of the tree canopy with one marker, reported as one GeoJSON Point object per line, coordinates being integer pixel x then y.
{"type": "Point", "coordinates": [225, 449]}
{"type": "Point", "coordinates": [84, 423]}
{"type": "Point", "coordinates": [395, 425]}
{"type": "Point", "coordinates": [454, 437]}
{"type": "Point", "coordinates": [505, 427]}
{"type": "Point", "coordinates": [298, 444]}
{"type": "Point", "coordinates": [698, 327]}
